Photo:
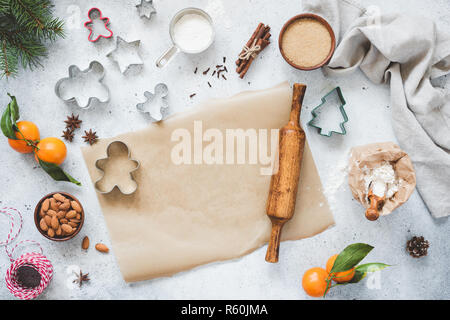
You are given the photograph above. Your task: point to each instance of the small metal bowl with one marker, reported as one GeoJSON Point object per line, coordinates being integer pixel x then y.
{"type": "Point", "coordinates": [37, 218]}
{"type": "Point", "coordinates": [323, 22]}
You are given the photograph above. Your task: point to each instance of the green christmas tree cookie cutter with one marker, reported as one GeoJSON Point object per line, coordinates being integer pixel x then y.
{"type": "Point", "coordinates": [342, 103]}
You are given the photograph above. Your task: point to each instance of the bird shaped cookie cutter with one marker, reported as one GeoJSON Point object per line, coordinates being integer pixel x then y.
{"type": "Point", "coordinates": [101, 165]}
{"type": "Point", "coordinates": [315, 113]}
{"type": "Point", "coordinates": [93, 14]}
{"type": "Point", "coordinates": [159, 97]}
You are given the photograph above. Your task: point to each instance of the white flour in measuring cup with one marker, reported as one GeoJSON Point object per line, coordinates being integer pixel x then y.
{"type": "Point", "coordinates": [192, 33]}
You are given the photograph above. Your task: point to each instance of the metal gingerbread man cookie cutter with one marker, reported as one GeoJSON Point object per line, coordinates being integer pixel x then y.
{"type": "Point", "coordinates": [101, 163]}
{"type": "Point", "coordinates": [160, 98]}
{"type": "Point", "coordinates": [95, 70]}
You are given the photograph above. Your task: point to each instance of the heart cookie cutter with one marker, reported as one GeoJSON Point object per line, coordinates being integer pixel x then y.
{"type": "Point", "coordinates": [96, 13]}
{"type": "Point", "coordinates": [315, 113]}
{"type": "Point", "coordinates": [101, 163]}
{"type": "Point", "coordinates": [160, 96]}
{"type": "Point", "coordinates": [95, 67]}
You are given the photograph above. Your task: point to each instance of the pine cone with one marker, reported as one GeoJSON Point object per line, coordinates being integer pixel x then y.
{"type": "Point", "coordinates": [417, 247]}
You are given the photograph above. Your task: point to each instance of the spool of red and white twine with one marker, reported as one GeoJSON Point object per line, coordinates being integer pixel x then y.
{"type": "Point", "coordinates": [35, 259]}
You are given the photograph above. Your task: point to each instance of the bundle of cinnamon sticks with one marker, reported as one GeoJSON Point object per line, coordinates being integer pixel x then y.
{"type": "Point", "coordinates": [258, 41]}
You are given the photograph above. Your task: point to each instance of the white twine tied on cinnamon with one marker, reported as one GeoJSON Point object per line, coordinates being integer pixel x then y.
{"type": "Point", "coordinates": [250, 52]}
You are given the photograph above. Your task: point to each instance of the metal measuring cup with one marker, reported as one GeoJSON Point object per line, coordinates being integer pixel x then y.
{"type": "Point", "coordinates": [171, 52]}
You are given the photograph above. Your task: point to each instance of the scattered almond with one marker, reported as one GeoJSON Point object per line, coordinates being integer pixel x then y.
{"type": "Point", "coordinates": [85, 243]}
{"type": "Point", "coordinates": [102, 248]}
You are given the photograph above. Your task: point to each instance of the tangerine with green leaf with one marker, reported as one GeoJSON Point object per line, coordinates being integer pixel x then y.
{"type": "Point", "coordinates": [27, 136]}
{"type": "Point", "coordinates": [314, 282]}
{"type": "Point", "coordinates": [339, 277]}
{"type": "Point", "coordinates": [52, 150]}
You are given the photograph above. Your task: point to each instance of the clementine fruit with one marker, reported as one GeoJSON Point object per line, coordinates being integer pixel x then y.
{"type": "Point", "coordinates": [51, 150]}
{"type": "Point", "coordinates": [28, 134]}
{"type": "Point", "coordinates": [314, 282]}
{"type": "Point", "coordinates": [339, 277]}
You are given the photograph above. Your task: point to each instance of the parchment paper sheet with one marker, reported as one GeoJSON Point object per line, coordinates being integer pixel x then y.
{"type": "Point", "coordinates": [183, 216]}
{"type": "Point", "coordinates": [373, 155]}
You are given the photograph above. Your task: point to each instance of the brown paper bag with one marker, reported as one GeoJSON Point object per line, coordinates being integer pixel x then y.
{"type": "Point", "coordinates": [182, 216]}
{"type": "Point", "coordinates": [371, 156]}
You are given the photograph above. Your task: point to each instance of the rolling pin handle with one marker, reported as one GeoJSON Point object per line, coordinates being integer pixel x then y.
{"type": "Point", "coordinates": [274, 244]}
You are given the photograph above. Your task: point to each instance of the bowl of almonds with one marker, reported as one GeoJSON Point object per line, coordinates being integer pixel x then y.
{"type": "Point", "coordinates": [59, 216]}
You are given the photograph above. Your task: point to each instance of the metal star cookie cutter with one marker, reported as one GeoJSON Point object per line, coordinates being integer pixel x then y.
{"type": "Point", "coordinates": [160, 97]}
{"type": "Point", "coordinates": [96, 13]}
{"type": "Point", "coordinates": [96, 70]}
{"type": "Point", "coordinates": [146, 9]}
{"type": "Point", "coordinates": [126, 55]}
{"type": "Point", "coordinates": [100, 164]}
{"type": "Point", "coordinates": [315, 113]}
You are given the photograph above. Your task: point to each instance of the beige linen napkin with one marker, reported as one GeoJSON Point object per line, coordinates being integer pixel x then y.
{"type": "Point", "coordinates": [183, 215]}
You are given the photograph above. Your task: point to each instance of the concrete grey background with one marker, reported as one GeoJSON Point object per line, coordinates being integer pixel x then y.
{"type": "Point", "coordinates": [23, 184]}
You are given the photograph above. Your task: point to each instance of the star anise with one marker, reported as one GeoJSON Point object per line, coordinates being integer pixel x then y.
{"type": "Point", "coordinates": [68, 134]}
{"type": "Point", "coordinates": [81, 277]}
{"type": "Point", "coordinates": [73, 122]}
{"type": "Point", "coordinates": [90, 137]}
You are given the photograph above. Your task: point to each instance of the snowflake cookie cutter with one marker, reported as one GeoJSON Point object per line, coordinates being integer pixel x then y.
{"type": "Point", "coordinates": [159, 97]}
{"type": "Point", "coordinates": [338, 92]}
{"type": "Point", "coordinates": [112, 150]}
{"type": "Point", "coordinates": [131, 50]}
{"type": "Point", "coordinates": [93, 14]}
{"type": "Point", "coordinates": [96, 70]}
{"type": "Point", "coordinates": [146, 9]}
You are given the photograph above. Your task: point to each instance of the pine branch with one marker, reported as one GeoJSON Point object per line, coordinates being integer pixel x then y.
{"type": "Point", "coordinates": [24, 26]}
{"type": "Point", "coordinates": [8, 60]}
{"type": "Point", "coordinates": [35, 16]}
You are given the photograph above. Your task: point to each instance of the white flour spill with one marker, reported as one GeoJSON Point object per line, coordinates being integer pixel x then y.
{"type": "Point", "coordinates": [192, 33]}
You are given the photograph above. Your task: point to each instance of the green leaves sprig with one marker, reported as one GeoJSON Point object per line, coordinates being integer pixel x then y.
{"type": "Point", "coordinates": [9, 128]}
{"type": "Point", "coordinates": [9, 119]}
{"type": "Point", "coordinates": [348, 259]}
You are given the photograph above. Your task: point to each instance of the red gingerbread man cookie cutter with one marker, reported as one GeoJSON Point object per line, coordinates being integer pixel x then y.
{"type": "Point", "coordinates": [96, 13]}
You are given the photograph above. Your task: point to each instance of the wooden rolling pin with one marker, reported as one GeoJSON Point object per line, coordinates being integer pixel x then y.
{"type": "Point", "coordinates": [284, 184]}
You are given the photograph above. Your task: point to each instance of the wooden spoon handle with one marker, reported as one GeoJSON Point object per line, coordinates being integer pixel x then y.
{"type": "Point", "coordinates": [376, 202]}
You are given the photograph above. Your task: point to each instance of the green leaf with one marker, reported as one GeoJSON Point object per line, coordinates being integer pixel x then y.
{"type": "Point", "coordinates": [350, 257]}
{"type": "Point", "coordinates": [371, 267]}
{"type": "Point", "coordinates": [362, 270]}
{"type": "Point", "coordinates": [9, 118]}
{"type": "Point", "coordinates": [57, 173]}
